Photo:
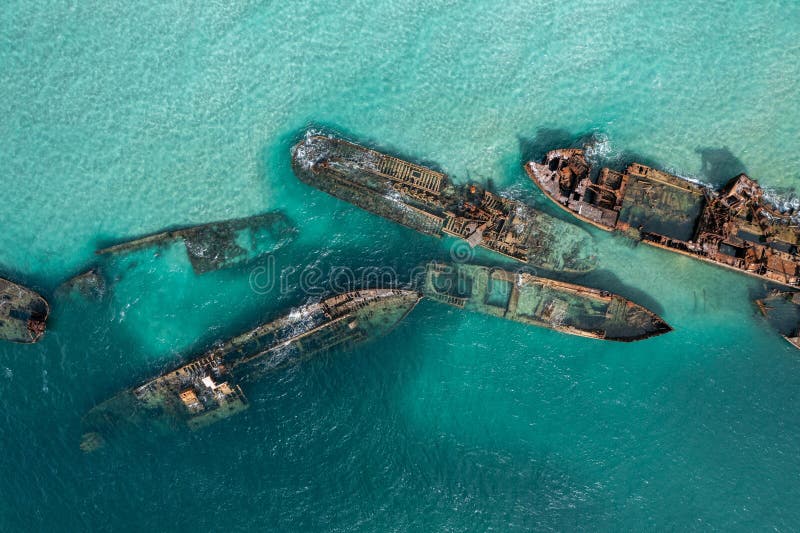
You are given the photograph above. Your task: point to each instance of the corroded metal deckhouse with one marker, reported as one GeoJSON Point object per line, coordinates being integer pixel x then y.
{"type": "Point", "coordinates": [735, 227]}
{"type": "Point", "coordinates": [427, 201]}
{"type": "Point", "coordinates": [208, 388]}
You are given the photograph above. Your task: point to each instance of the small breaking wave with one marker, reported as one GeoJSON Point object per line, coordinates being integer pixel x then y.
{"type": "Point", "coordinates": [600, 149]}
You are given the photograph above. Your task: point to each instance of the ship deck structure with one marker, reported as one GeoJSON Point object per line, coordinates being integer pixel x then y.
{"type": "Point", "coordinates": [23, 313]}
{"type": "Point", "coordinates": [529, 299]}
{"type": "Point", "coordinates": [428, 201]}
{"type": "Point", "coordinates": [209, 388]}
{"type": "Point", "coordinates": [735, 227]}
{"type": "Point", "coordinates": [221, 244]}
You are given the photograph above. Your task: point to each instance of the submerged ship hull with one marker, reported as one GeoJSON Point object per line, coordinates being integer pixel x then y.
{"type": "Point", "coordinates": [208, 389]}
{"type": "Point", "coordinates": [425, 200]}
{"type": "Point", "coordinates": [782, 311]}
{"type": "Point", "coordinates": [222, 244]}
{"type": "Point", "coordinates": [23, 313]}
{"type": "Point", "coordinates": [90, 285]}
{"type": "Point", "coordinates": [523, 297]}
{"type": "Point", "coordinates": [734, 228]}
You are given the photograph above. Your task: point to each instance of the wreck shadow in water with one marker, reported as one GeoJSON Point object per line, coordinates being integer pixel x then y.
{"type": "Point", "coordinates": [718, 165]}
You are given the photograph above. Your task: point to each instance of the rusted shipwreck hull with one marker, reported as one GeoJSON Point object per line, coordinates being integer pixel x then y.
{"type": "Point", "coordinates": [426, 200]}
{"type": "Point", "coordinates": [782, 310]}
{"type": "Point", "coordinates": [523, 297]}
{"type": "Point", "coordinates": [735, 227]}
{"type": "Point", "coordinates": [23, 313]}
{"type": "Point", "coordinates": [208, 389]}
{"type": "Point", "coordinates": [221, 244]}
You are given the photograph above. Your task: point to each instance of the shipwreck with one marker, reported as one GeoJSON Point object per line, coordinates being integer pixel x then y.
{"type": "Point", "coordinates": [530, 299]}
{"type": "Point", "coordinates": [209, 388]}
{"type": "Point", "coordinates": [782, 311]}
{"type": "Point", "coordinates": [427, 201]}
{"type": "Point", "coordinates": [90, 285]}
{"type": "Point", "coordinates": [23, 313]}
{"type": "Point", "coordinates": [735, 227]}
{"type": "Point", "coordinates": [221, 244]}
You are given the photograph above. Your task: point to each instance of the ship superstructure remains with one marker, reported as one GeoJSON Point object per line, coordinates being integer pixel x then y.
{"type": "Point", "coordinates": [222, 244]}
{"type": "Point", "coordinates": [208, 388]}
{"type": "Point", "coordinates": [526, 298]}
{"type": "Point", "coordinates": [735, 227]}
{"type": "Point", "coordinates": [426, 200]}
{"type": "Point", "coordinates": [23, 313]}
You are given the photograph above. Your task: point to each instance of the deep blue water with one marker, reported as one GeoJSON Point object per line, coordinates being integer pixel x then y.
{"type": "Point", "coordinates": [121, 119]}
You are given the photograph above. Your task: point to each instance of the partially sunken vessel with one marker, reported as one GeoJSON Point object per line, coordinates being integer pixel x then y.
{"type": "Point", "coordinates": [208, 388]}
{"type": "Point", "coordinates": [782, 310]}
{"type": "Point", "coordinates": [735, 227]}
{"type": "Point", "coordinates": [526, 298]}
{"type": "Point", "coordinates": [221, 244]}
{"type": "Point", "coordinates": [90, 285]}
{"type": "Point", "coordinates": [427, 201]}
{"type": "Point", "coordinates": [23, 313]}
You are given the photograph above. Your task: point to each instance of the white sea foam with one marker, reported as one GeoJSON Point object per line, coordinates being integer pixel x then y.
{"type": "Point", "coordinates": [600, 148]}
{"type": "Point", "coordinates": [785, 203]}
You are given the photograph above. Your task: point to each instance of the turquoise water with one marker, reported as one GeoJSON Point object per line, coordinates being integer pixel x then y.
{"type": "Point", "coordinates": [118, 120]}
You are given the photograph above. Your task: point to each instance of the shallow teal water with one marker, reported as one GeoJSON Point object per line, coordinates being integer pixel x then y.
{"type": "Point", "coordinates": [119, 120]}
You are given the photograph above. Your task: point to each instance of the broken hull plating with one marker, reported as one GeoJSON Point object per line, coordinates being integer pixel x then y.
{"type": "Point", "coordinates": [734, 228]}
{"type": "Point", "coordinates": [523, 297]}
{"type": "Point", "coordinates": [222, 244]}
{"type": "Point", "coordinates": [207, 389]}
{"type": "Point", "coordinates": [426, 200]}
{"type": "Point", "coordinates": [23, 313]}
